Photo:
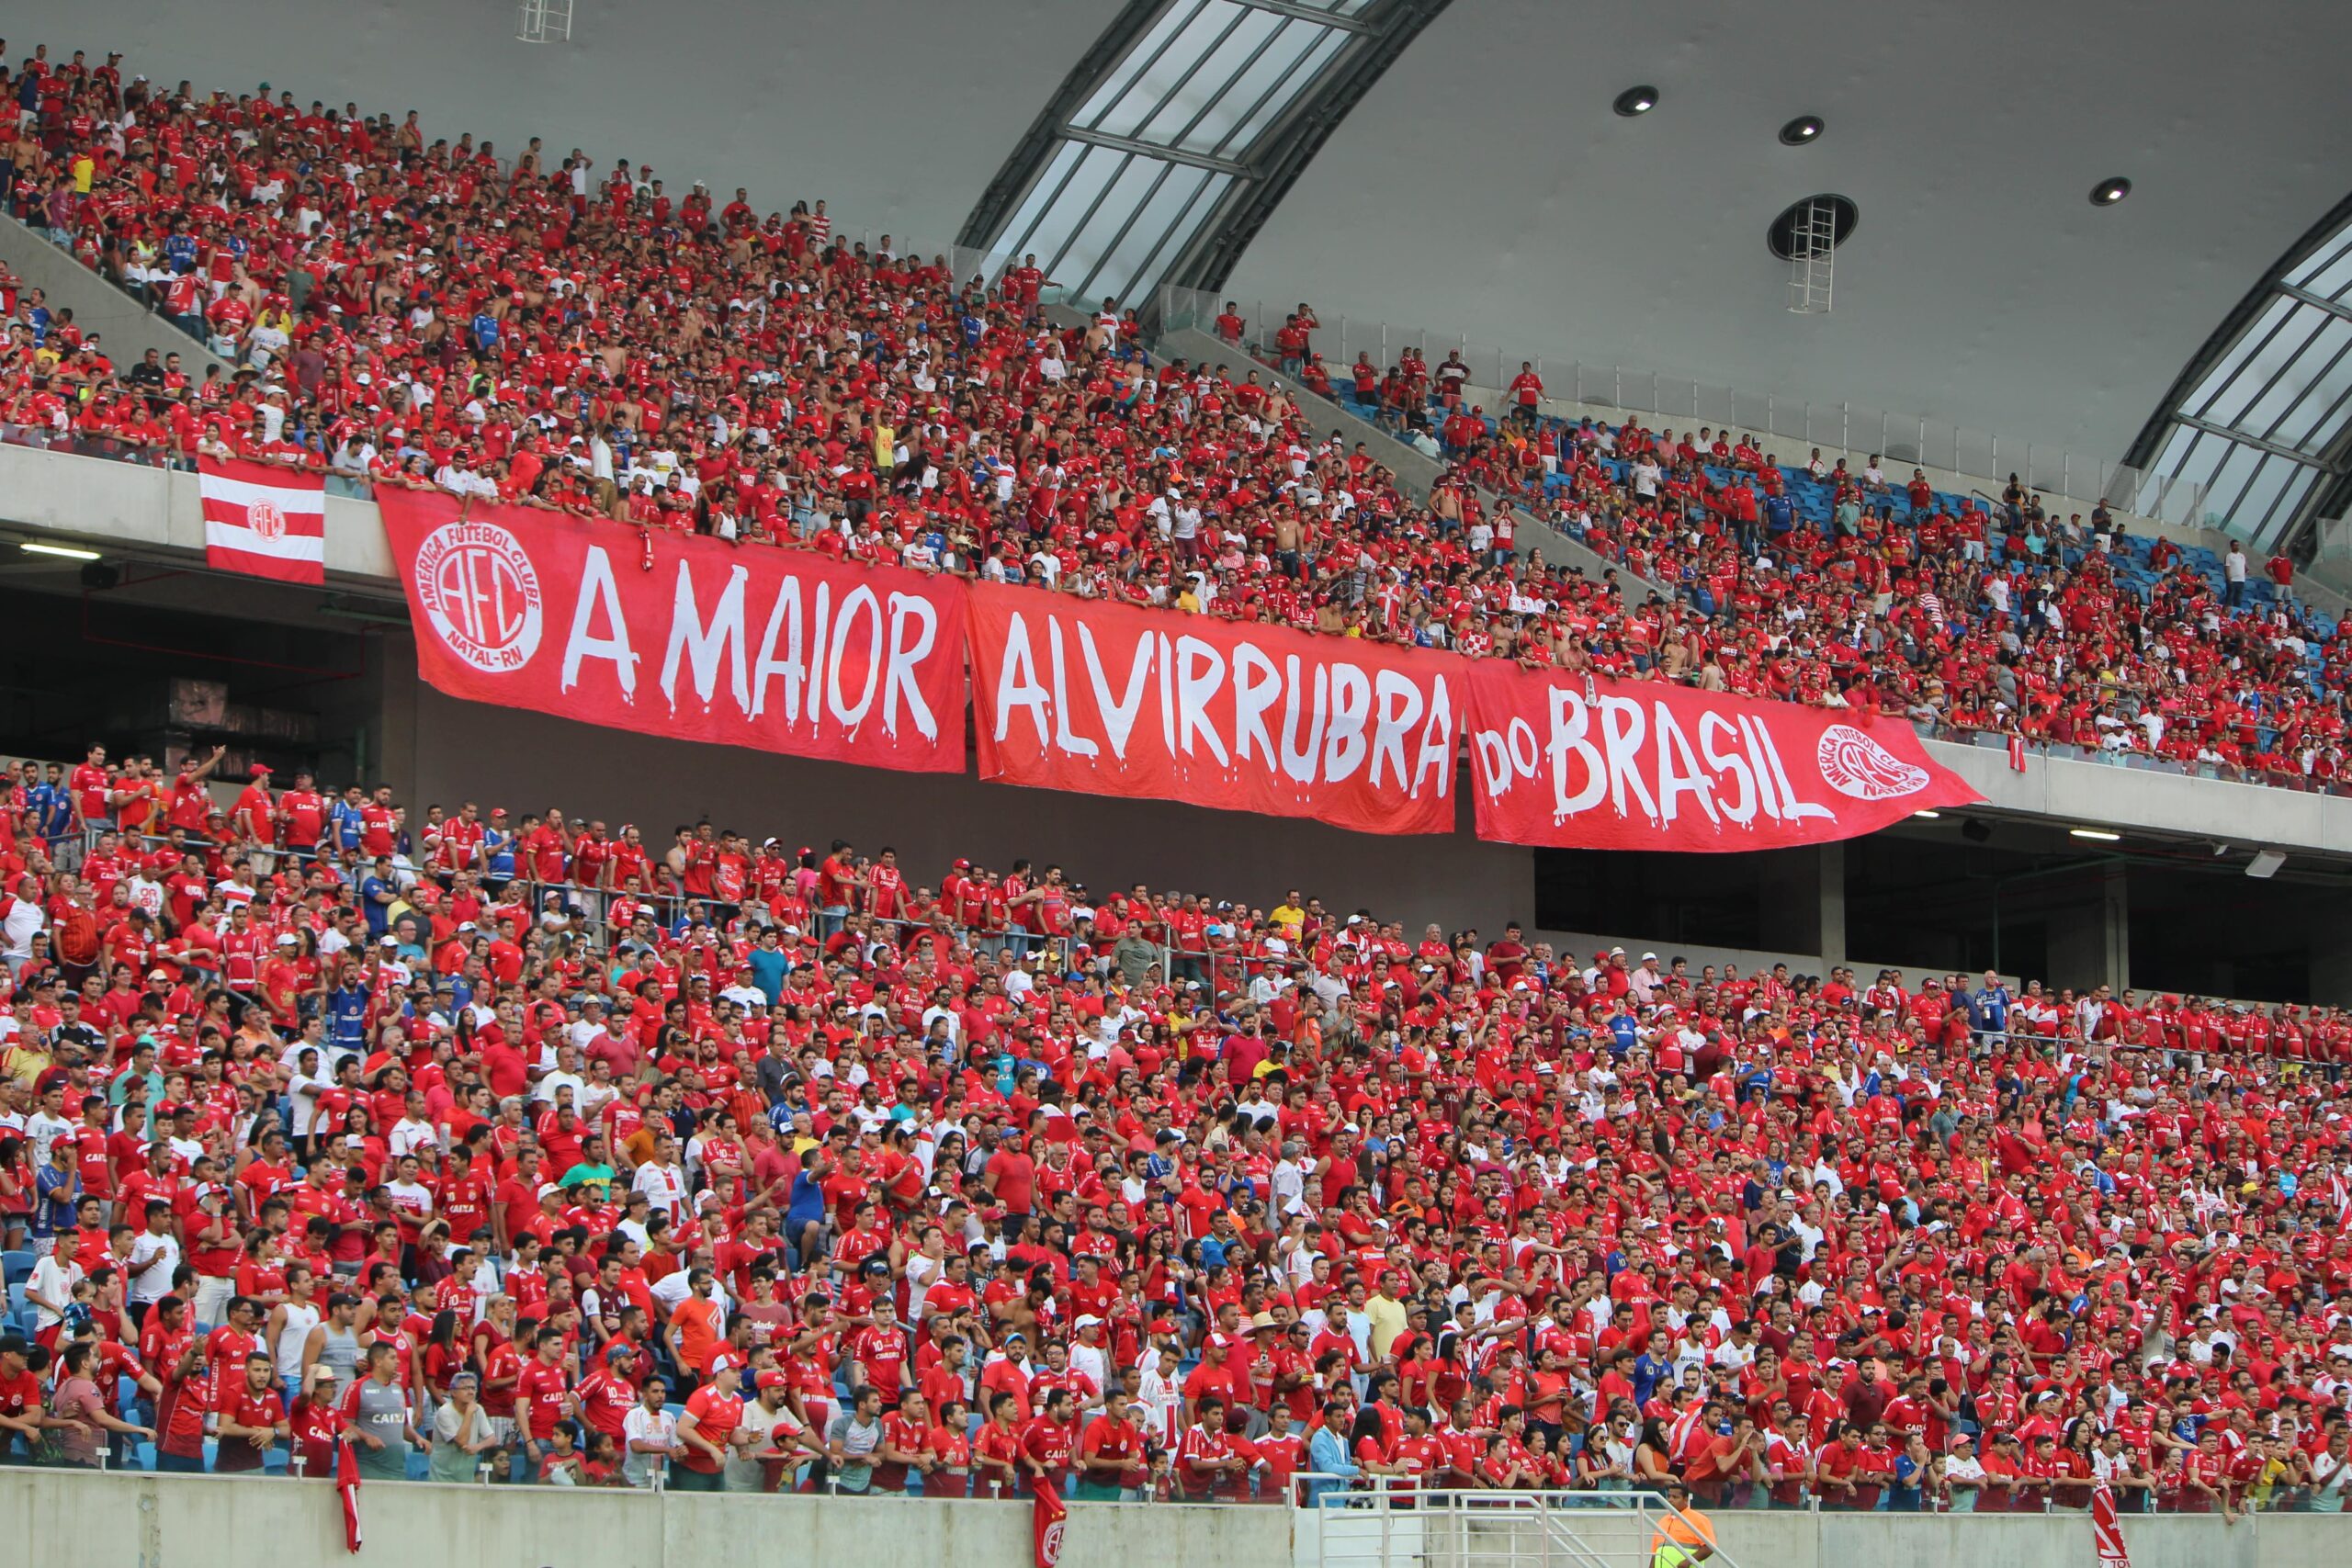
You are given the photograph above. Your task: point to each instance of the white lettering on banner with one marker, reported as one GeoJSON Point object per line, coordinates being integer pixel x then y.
{"type": "Point", "coordinates": [1728, 765]}
{"type": "Point", "coordinates": [1200, 670]}
{"type": "Point", "coordinates": [1598, 749]}
{"type": "Point", "coordinates": [856, 599]}
{"type": "Point", "coordinates": [1118, 717]}
{"type": "Point", "coordinates": [807, 650]}
{"type": "Point", "coordinates": [599, 591]}
{"type": "Point", "coordinates": [1318, 726]}
{"type": "Point", "coordinates": [899, 684]}
{"type": "Point", "coordinates": [1298, 761]}
{"type": "Point", "coordinates": [706, 644]}
{"type": "Point", "coordinates": [1076, 745]}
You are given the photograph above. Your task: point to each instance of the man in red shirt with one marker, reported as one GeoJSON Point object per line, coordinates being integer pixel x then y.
{"type": "Point", "coordinates": [1206, 1464]}
{"type": "Point", "coordinates": [248, 1417]}
{"type": "Point", "coordinates": [710, 1420]}
{"type": "Point", "coordinates": [906, 1445]}
{"type": "Point", "coordinates": [543, 1397]}
{"type": "Point", "coordinates": [1110, 1455]}
{"type": "Point", "coordinates": [1046, 1445]}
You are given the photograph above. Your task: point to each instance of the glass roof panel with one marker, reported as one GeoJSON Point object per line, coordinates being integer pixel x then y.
{"type": "Point", "coordinates": [2327, 271]}
{"type": "Point", "coordinates": [1195, 98]}
{"type": "Point", "coordinates": [2303, 410]}
{"type": "Point", "coordinates": [2264, 353]}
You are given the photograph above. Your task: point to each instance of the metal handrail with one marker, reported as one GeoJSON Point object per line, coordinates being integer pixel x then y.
{"type": "Point", "coordinates": [1557, 1513]}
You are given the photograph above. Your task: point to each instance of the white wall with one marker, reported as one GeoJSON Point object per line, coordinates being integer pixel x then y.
{"type": "Point", "coordinates": [897, 112]}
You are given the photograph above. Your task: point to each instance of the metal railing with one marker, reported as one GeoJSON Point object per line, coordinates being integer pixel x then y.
{"type": "Point", "coordinates": [1840, 429]}
{"type": "Point", "coordinates": [1383, 1526]}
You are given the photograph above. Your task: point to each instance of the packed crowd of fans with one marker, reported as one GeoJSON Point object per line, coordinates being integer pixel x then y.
{"type": "Point", "coordinates": [517, 1147]}
{"type": "Point", "coordinates": [1978, 613]}
{"type": "Point", "coordinates": [514, 1146]}
{"type": "Point", "coordinates": [406, 309]}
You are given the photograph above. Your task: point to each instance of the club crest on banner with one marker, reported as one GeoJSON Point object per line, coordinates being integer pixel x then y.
{"type": "Point", "coordinates": [266, 520]}
{"type": "Point", "coordinates": [481, 594]}
{"type": "Point", "coordinates": [1854, 764]}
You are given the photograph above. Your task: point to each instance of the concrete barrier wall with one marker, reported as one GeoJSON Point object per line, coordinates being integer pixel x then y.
{"type": "Point", "coordinates": [169, 1521]}
{"type": "Point", "coordinates": [2045, 1540]}
{"type": "Point", "coordinates": [134, 1520]}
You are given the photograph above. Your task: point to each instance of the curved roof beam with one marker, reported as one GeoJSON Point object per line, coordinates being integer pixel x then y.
{"type": "Point", "coordinates": [2262, 416]}
{"type": "Point", "coordinates": [1176, 134]}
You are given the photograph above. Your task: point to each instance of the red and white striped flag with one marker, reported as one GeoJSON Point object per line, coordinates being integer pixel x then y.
{"type": "Point", "coordinates": [2016, 752]}
{"type": "Point", "coordinates": [264, 521]}
{"type": "Point", "coordinates": [346, 1485]}
{"type": "Point", "coordinates": [2107, 1531]}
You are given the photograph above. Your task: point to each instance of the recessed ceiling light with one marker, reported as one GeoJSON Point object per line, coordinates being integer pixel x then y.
{"type": "Point", "coordinates": [1800, 130]}
{"type": "Point", "coordinates": [1637, 100]}
{"type": "Point", "coordinates": [2108, 192]}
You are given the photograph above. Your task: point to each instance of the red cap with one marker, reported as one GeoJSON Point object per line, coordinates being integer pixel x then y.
{"type": "Point", "coordinates": [259, 770]}
{"type": "Point", "coordinates": [775, 1380]}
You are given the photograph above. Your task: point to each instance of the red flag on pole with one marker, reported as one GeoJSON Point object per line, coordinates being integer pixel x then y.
{"type": "Point", "coordinates": [346, 1485]}
{"type": "Point", "coordinates": [1046, 1523]}
{"type": "Point", "coordinates": [2107, 1531]}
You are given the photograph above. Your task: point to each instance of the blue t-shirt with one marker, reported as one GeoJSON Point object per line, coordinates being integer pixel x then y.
{"type": "Point", "coordinates": [379, 915]}
{"type": "Point", "coordinates": [769, 966]}
{"type": "Point", "coordinates": [347, 1016]}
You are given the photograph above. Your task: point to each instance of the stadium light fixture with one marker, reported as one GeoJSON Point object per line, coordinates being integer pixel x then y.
{"type": "Point", "coordinates": [1802, 131]}
{"type": "Point", "coordinates": [1635, 101]}
{"type": "Point", "coordinates": [2100, 834]}
{"type": "Point", "coordinates": [64, 552]}
{"type": "Point", "coordinates": [2108, 192]}
{"type": "Point", "coordinates": [1930, 816]}
{"type": "Point", "coordinates": [2264, 865]}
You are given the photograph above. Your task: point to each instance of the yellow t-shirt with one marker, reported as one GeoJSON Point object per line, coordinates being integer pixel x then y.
{"type": "Point", "coordinates": [1387, 1316]}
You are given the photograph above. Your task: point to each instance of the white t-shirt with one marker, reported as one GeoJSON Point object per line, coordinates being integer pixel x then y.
{"type": "Point", "coordinates": [665, 1187]}
{"type": "Point", "coordinates": [45, 1129]}
{"type": "Point", "coordinates": [154, 1260]}
{"type": "Point", "coordinates": [55, 1281]}
{"type": "Point", "coordinates": [641, 1425]}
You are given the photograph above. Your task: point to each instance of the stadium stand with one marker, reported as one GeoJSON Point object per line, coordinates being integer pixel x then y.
{"type": "Point", "coordinates": [520, 1148]}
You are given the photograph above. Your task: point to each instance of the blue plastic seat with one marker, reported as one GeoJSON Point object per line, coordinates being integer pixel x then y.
{"type": "Point", "coordinates": [17, 1267]}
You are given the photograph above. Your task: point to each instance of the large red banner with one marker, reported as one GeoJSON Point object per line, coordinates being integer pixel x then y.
{"type": "Point", "coordinates": [699, 639]}
{"type": "Point", "coordinates": [1107, 699]}
{"type": "Point", "coordinates": [1586, 764]}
